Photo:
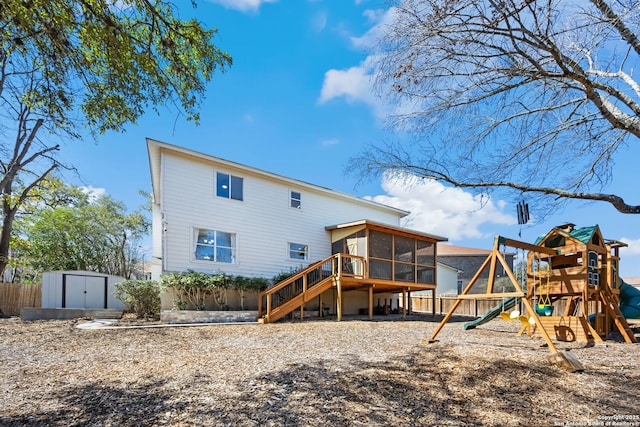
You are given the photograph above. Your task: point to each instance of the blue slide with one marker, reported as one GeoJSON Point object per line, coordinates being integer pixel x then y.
{"type": "Point", "coordinates": [506, 304]}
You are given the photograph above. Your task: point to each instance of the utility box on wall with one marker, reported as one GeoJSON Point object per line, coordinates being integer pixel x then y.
{"type": "Point", "coordinates": [80, 289]}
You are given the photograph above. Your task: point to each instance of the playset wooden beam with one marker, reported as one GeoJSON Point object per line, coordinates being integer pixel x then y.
{"type": "Point", "coordinates": [526, 246]}
{"type": "Point", "coordinates": [570, 277]}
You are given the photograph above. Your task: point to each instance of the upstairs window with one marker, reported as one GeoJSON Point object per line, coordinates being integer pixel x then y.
{"type": "Point", "coordinates": [296, 200]}
{"type": "Point", "coordinates": [229, 186]}
{"type": "Point", "coordinates": [298, 251]}
{"type": "Point", "coordinates": [215, 246]}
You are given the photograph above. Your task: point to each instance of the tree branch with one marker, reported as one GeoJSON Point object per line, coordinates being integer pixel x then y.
{"type": "Point", "coordinates": [613, 18]}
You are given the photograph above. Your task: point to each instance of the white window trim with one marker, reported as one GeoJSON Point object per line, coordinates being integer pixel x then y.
{"type": "Point", "coordinates": [194, 242]}
{"type": "Point", "coordinates": [307, 254]}
{"type": "Point", "coordinates": [290, 199]}
{"type": "Point", "coordinates": [215, 185]}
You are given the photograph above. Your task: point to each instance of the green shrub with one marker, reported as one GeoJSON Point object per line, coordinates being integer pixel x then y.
{"type": "Point", "coordinates": [283, 275]}
{"type": "Point", "coordinates": [192, 288]}
{"type": "Point", "coordinates": [248, 284]}
{"type": "Point", "coordinates": [141, 296]}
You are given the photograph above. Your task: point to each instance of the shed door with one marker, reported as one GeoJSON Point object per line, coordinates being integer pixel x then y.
{"type": "Point", "coordinates": [84, 291]}
{"type": "Point", "coordinates": [73, 288]}
{"type": "Point", "coordinates": [95, 292]}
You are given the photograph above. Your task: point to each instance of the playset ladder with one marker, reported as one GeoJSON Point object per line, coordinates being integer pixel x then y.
{"type": "Point", "coordinates": [613, 309]}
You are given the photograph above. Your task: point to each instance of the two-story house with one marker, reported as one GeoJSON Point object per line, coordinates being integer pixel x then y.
{"type": "Point", "coordinates": [214, 215]}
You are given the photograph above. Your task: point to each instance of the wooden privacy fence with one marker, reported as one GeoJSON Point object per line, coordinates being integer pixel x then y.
{"type": "Point", "coordinates": [467, 307]}
{"type": "Point", "coordinates": [14, 296]}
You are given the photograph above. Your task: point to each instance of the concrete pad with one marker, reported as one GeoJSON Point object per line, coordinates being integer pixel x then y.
{"type": "Point", "coordinates": [34, 313]}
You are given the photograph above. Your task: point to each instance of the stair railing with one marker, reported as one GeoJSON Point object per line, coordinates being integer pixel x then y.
{"type": "Point", "coordinates": [337, 265]}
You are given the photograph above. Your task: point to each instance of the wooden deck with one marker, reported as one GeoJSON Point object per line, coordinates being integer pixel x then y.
{"type": "Point", "coordinates": [340, 271]}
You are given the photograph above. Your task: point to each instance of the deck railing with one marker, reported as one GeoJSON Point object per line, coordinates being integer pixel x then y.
{"type": "Point", "coordinates": [338, 265]}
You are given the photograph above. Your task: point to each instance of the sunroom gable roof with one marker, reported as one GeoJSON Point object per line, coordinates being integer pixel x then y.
{"type": "Point", "coordinates": [386, 227]}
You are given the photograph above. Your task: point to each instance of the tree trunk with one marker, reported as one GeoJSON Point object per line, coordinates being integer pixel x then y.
{"type": "Point", "coordinates": [5, 236]}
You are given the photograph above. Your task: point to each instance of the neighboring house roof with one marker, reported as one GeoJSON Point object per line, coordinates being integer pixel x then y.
{"type": "Point", "coordinates": [634, 280]}
{"type": "Point", "coordinates": [452, 250]}
{"type": "Point", "coordinates": [447, 266]}
{"type": "Point", "coordinates": [393, 228]}
{"type": "Point", "coordinates": [155, 148]}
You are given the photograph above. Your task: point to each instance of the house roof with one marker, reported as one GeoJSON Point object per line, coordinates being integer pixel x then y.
{"type": "Point", "coordinates": [452, 250]}
{"type": "Point", "coordinates": [447, 266]}
{"type": "Point", "coordinates": [155, 149]}
{"type": "Point", "coordinates": [392, 228]}
{"type": "Point", "coordinates": [633, 280]}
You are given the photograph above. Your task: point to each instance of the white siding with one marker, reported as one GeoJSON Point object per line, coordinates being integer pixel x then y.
{"type": "Point", "coordinates": [264, 222]}
{"type": "Point", "coordinates": [447, 280]}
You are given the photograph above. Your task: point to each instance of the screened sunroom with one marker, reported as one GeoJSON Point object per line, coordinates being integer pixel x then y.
{"type": "Point", "coordinates": [369, 260]}
{"type": "Point", "coordinates": [393, 258]}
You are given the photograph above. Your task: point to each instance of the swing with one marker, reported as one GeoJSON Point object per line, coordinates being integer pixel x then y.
{"type": "Point", "coordinates": [515, 313]}
{"type": "Point", "coordinates": [534, 299]}
{"type": "Point", "coordinates": [544, 307]}
{"type": "Point", "coordinates": [504, 314]}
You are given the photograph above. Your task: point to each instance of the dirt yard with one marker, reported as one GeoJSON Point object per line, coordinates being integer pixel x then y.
{"type": "Point", "coordinates": [352, 373]}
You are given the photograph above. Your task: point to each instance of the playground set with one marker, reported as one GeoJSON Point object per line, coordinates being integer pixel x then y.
{"type": "Point", "coordinates": [570, 290]}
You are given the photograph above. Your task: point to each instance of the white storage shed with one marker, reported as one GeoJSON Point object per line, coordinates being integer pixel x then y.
{"type": "Point", "coordinates": [80, 289]}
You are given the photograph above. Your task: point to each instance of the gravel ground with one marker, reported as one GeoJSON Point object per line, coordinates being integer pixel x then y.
{"type": "Point", "coordinates": [325, 373]}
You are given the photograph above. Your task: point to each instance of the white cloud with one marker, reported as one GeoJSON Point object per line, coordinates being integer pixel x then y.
{"type": "Point", "coordinates": [444, 211]}
{"type": "Point", "coordinates": [93, 192]}
{"type": "Point", "coordinates": [381, 19]}
{"type": "Point", "coordinates": [633, 249]}
{"type": "Point", "coordinates": [329, 142]}
{"type": "Point", "coordinates": [242, 5]}
{"type": "Point", "coordinates": [374, 15]}
{"type": "Point", "coordinates": [354, 84]}
{"type": "Point", "coordinates": [319, 21]}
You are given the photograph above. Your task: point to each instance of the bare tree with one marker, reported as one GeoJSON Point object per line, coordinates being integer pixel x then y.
{"type": "Point", "coordinates": [531, 96]}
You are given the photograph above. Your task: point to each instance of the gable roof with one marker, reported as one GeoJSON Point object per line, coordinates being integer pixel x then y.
{"type": "Point", "coordinates": [392, 228]}
{"type": "Point", "coordinates": [583, 235]}
{"type": "Point", "coordinates": [155, 149]}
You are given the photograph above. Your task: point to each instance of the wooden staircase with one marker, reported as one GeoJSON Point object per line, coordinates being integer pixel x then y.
{"type": "Point", "coordinates": [612, 306]}
{"type": "Point", "coordinates": [295, 291]}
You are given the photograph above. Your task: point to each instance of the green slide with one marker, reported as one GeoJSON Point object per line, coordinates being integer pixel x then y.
{"type": "Point", "coordinates": [629, 301]}
{"type": "Point", "coordinates": [506, 304]}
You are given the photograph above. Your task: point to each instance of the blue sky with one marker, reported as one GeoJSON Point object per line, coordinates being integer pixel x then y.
{"type": "Point", "coordinates": [298, 101]}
